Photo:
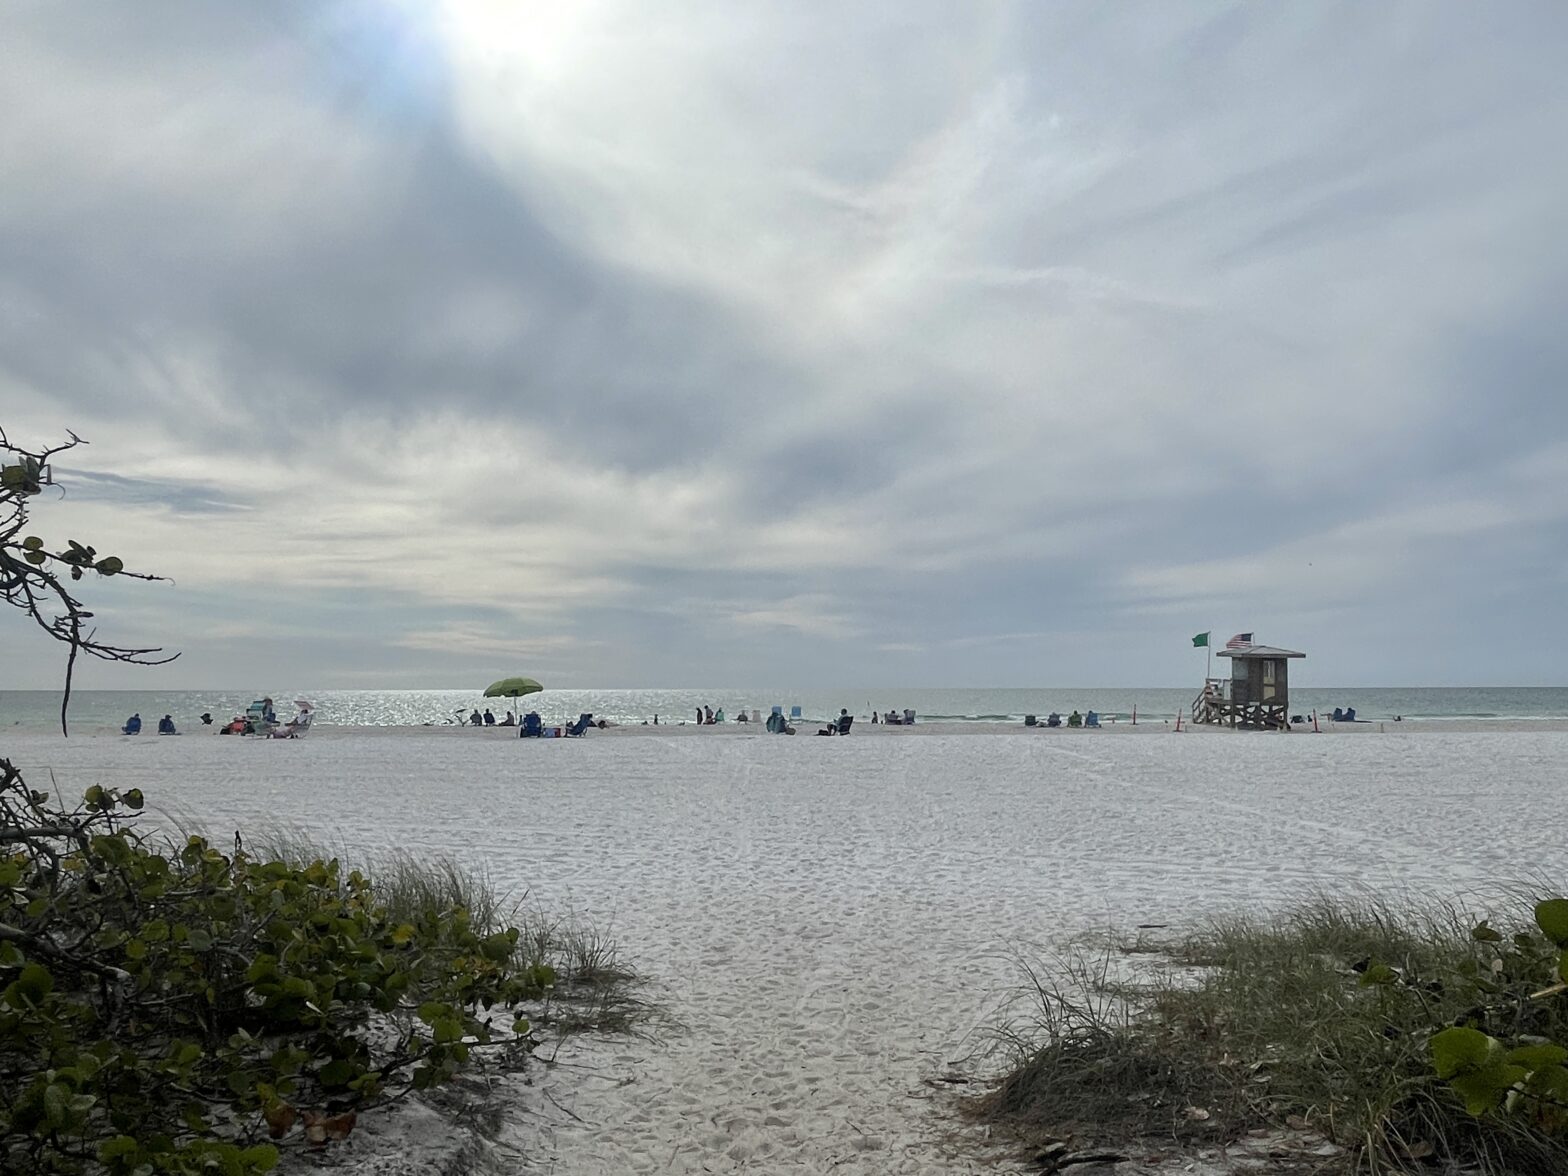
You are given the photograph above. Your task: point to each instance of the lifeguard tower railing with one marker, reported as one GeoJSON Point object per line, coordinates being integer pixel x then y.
{"type": "Point", "coordinates": [1213, 703]}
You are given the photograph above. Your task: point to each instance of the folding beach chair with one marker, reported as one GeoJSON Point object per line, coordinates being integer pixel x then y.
{"type": "Point", "coordinates": [256, 719]}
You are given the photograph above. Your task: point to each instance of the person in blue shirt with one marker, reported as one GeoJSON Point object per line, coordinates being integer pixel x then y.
{"type": "Point", "coordinates": [166, 726]}
{"type": "Point", "coordinates": [133, 725]}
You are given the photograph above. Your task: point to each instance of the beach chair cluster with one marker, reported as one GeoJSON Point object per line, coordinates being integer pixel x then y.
{"type": "Point", "coordinates": [533, 727]}
{"type": "Point", "coordinates": [1090, 719]}
{"type": "Point", "coordinates": [260, 719]}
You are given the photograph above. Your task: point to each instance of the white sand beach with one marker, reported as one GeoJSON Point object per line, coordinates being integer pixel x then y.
{"type": "Point", "coordinates": [829, 921]}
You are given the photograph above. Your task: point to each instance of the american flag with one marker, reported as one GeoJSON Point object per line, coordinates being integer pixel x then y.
{"type": "Point", "coordinates": [1239, 641]}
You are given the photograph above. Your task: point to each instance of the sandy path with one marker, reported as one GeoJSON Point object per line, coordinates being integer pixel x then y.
{"type": "Point", "coordinates": [828, 918]}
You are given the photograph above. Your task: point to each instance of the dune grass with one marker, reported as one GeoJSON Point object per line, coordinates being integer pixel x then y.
{"type": "Point", "coordinates": [1268, 1024]}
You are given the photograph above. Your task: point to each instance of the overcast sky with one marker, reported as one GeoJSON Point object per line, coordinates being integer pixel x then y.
{"type": "Point", "coordinates": [630, 344]}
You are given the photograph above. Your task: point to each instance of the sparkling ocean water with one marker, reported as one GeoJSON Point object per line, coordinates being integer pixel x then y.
{"type": "Point", "coordinates": [99, 711]}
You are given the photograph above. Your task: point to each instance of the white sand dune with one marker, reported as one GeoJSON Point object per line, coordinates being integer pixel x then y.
{"type": "Point", "coordinates": [830, 919]}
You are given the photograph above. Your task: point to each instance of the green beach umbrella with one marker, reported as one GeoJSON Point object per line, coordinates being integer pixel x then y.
{"type": "Point", "coordinates": [513, 688]}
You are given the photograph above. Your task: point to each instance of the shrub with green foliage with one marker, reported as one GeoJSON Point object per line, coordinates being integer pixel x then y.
{"type": "Point", "coordinates": [1408, 1037]}
{"type": "Point", "coordinates": [1500, 1055]}
{"type": "Point", "coordinates": [169, 1009]}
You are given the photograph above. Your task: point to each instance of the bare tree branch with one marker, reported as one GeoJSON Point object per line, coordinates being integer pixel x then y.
{"type": "Point", "coordinates": [33, 577]}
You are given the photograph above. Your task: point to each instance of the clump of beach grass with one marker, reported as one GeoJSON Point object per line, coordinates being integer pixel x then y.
{"type": "Point", "coordinates": [1313, 1023]}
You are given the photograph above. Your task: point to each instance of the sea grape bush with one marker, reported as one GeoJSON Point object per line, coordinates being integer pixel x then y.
{"type": "Point", "coordinates": [174, 1008]}
{"type": "Point", "coordinates": [1502, 1055]}
{"type": "Point", "coordinates": [1503, 1052]}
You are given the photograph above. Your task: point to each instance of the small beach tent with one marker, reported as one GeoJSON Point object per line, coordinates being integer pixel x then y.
{"type": "Point", "coordinates": [1257, 694]}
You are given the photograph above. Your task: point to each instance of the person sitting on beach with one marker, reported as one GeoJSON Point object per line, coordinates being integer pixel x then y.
{"type": "Point", "coordinates": [1053, 720]}
{"type": "Point", "coordinates": [1075, 719]}
{"type": "Point", "coordinates": [718, 715]}
{"type": "Point", "coordinates": [166, 725]}
{"type": "Point", "coordinates": [133, 725]}
{"type": "Point", "coordinates": [509, 721]}
{"type": "Point", "coordinates": [476, 719]}
{"type": "Point", "coordinates": [489, 718]}
{"type": "Point", "coordinates": [268, 714]}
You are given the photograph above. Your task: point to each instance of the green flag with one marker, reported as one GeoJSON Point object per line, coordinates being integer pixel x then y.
{"type": "Point", "coordinates": [1202, 639]}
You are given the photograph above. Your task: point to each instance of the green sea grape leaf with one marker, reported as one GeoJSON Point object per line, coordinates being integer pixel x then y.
{"type": "Point", "coordinates": [1484, 1089]}
{"type": "Point", "coordinates": [1458, 1049]}
{"type": "Point", "coordinates": [1551, 916]}
{"type": "Point", "coordinates": [1536, 1057]}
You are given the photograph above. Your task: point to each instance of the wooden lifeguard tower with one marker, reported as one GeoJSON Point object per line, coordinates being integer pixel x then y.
{"type": "Point", "coordinates": [1256, 696]}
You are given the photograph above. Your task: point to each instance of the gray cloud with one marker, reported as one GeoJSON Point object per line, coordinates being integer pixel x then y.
{"type": "Point", "coordinates": [1001, 344]}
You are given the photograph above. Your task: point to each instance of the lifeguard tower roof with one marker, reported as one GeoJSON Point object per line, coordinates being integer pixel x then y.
{"type": "Point", "coordinates": [1260, 651]}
